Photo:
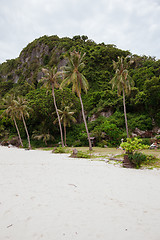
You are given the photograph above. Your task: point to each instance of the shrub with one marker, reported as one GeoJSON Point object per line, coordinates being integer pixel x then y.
{"type": "Point", "coordinates": [141, 121]}
{"type": "Point", "coordinates": [107, 132]}
{"type": "Point", "coordinates": [137, 159]}
{"type": "Point", "coordinates": [146, 141]}
{"type": "Point", "coordinates": [151, 159]}
{"type": "Point", "coordinates": [133, 145]}
{"type": "Point", "coordinates": [82, 155]}
{"type": "Point", "coordinates": [131, 149]}
{"type": "Point", "coordinates": [103, 143]}
{"type": "Point", "coordinates": [60, 150]}
{"type": "Point", "coordinates": [77, 143]}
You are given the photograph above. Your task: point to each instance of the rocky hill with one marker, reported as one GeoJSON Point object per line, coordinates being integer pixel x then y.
{"type": "Point", "coordinates": [21, 76]}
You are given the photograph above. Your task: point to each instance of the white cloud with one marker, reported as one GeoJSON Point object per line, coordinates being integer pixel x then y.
{"type": "Point", "coordinates": [131, 25]}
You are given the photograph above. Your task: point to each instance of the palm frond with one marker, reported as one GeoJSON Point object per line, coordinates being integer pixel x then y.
{"type": "Point", "coordinates": [121, 79]}
{"type": "Point", "coordinates": [73, 72]}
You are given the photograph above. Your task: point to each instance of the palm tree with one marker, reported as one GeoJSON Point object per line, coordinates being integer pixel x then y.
{"type": "Point", "coordinates": [51, 80]}
{"type": "Point", "coordinates": [73, 74]}
{"type": "Point", "coordinates": [42, 135]}
{"type": "Point", "coordinates": [10, 111]}
{"type": "Point", "coordinates": [22, 109]}
{"type": "Point", "coordinates": [66, 117]}
{"type": "Point", "coordinates": [122, 81]}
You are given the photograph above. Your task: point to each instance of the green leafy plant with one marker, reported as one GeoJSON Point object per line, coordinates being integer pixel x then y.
{"type": "Point", "coordinates": [151, 161]}
{"type": "Point", "coordinates": [133, 145]}
{"type": "Point", "coordinates": [103, 143]}
{"type": "Point", "coordinates": [60, 150]}
{"type": "Point", "coordinates": [137, 159]}
{"type": "Point", "coordinates": [81, 154]}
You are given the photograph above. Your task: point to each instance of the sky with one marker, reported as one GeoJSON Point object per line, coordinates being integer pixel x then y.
{"type": "Point", "coordinates": [132, 25]}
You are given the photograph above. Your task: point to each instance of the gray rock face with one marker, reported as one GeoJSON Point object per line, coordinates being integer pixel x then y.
{"type": "Point", "coordinates": [104, 114]}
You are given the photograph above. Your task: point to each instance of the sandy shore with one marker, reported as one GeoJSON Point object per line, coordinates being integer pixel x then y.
{"type": "Point", "coordinates": [53, 197]}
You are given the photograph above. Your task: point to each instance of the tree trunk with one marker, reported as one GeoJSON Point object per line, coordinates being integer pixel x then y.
{"type": "Point", "coordinates": [84, 119]}
{"type": "Point", "coordinates": [29, 144]}
{"type": "Point", "coordinates": [125, 115]}
{"type": "Point", "coordinates": [59, 121]}
{"type": "Point", "coordinates": [18, 132]}
{"type": "Point", "coordinates": [65, 143]}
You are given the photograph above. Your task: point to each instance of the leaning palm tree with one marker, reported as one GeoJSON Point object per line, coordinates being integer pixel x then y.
{"type": "Point", "coordinates": [23, 110]}
{"type": "Point", "coordinates": [73, 74]}
{"type": "Point", "coordinates": [66, 116]}
{"type": "Point", "coordinates": [122, 81]}
{"type": "Point", "coordinates": [11, 112]}
{"type": "Point", "coordinates": [51, 80]}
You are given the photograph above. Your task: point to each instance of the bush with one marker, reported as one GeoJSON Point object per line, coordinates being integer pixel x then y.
{"type": "Point", "coordinates": [151, 159]}
{"type": "Point", "coordinates": [141, 121]}
{"type": "Point", "coordinates": [82, 155]}
{"type": "Point", "coordinates": [60, 150]}
{"type": "Point", "coordinates": [137, 159]}
{"type": "Point", "coordinates": [77, 143]}
{"type": "Point", "coordinates": [103, 143]}
{"type": "Point", "coordinates": [133, 145]}
{"type": "Point", "coordinates": [146, 141]}
{"type": "Point", "coordinates": [107, 132]}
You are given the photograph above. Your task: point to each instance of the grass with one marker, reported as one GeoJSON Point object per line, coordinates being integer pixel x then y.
{"type": "Point", "coordinates": [153, 152]}
{"type": "Point", "coordinates": [99, 151]}
{"type": "Point", "coordinates": [118, 153]}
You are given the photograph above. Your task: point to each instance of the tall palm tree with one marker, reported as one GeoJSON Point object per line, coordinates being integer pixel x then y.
{"type": "Point", "coordinates": [23, 110]}
{"type": "Point", "coordinates": [11, 111]}
{"type": "Point", "coordinates": [66, 117]}
{"type": "Point", "coordinates": [122, 81]}
{"type": "Point", "coordinates": [51, 80]}
{"type": "Point", "coordinates": [73, 74]}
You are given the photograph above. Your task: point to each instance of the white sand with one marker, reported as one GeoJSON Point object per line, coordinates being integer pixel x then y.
{"type": "Point", "coordinates": [53, 197]}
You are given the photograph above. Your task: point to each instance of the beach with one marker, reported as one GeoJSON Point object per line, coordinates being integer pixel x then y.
{"type": "Point", "coordinates": [53, 197]}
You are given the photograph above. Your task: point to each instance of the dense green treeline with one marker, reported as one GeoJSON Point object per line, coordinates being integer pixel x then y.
{"type": "Point", "coordinates": [22, 77]}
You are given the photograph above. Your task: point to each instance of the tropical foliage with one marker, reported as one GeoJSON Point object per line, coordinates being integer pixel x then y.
{"type": "Point", "coordinates": [66, 117]}
{"type": "Point", "coordinates": [95, 65]}
{"type": "Point", "coordinates": [50, 79]}
{"type": "Point", "coordinates": [73, 74]}
{"type": "Point", "coordinates": [122, 81]}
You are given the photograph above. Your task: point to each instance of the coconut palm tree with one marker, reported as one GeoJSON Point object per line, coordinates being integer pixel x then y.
{"type": "Point", "coordinates": [66, 116]}
{"type": "Point", "coordinates": [42, 135]}
{"type": "Point", "coordinates": [51, 80]}
{"type": "Point", "coordinates": [73, 74]}
{"type": "Point", "coordinates": [22, 109]}
{"type": "Point", "coordinates": [122, 81]}
{"type": "Point", "coordinates": [11, 112]}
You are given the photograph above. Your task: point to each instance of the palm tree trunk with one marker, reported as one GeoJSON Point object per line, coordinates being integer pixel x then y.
{"type": "Point", "coordinates": [85, 123]}
{"type": "Point", "coordinates": [59, 121]}
{"type": "Point", "coordinates": [65, 143]}
{"type": "Point", "coordinates": [29, 144]}
{"type": "Point", "coordinates": [18, 132]}
{"type": "Point", "coordinates": [125, 115]}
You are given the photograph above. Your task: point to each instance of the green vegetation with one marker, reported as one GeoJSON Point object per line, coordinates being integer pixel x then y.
{"type": "Point", "coordinates": [133, 145]}
{"type": "Point", "coordinates": [87, 66]}
{"type": "Point", "coordinates": [66, 117]}
{"type": "Point", "coordinates": [60, 150]}
{"type": "Point", "coordinates": [123, 82]}
{"type": "Point", "coordinates": [151, 162]}
{"type": "Point", "coordinates": [51, 80]}
{"type": "Point", "coordinates": [73, 74]}
{"type": "Point", "coordinates": [132, 148]}
{"type": "Point", "coordinates": [137, 158]}
{"type": "Point", "coordinates": [81, 154]}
